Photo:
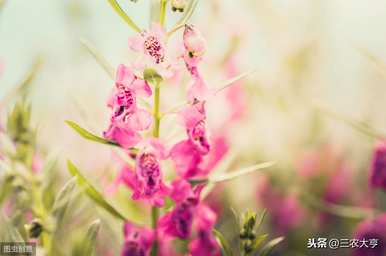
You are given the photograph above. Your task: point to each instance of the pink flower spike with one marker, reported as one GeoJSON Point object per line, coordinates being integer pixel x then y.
{"type": "Point", "coordinates": [138, 240]}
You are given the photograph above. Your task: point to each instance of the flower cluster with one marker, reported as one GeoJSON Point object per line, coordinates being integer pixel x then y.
{"type": "Point", "coordinates": [189, 219]}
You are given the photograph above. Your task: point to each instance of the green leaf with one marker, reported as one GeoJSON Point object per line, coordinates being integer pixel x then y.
{"type": "Point", "coordinates": [234, 174]}
{"type": "Point", "coordinates": [98, 57]}
{"type": "Point", "coordinates": [91, 192]}
{"type": "Point", "coordinates": [261, 220]}
{"type": "Point", "coordinates": [21, 88]}
{"type": "Point", "coordinates": [359, 126]}
{"type": "Point", "coordinates": [267, 249]}
{"type": "Point", "coordinates": [88, 135]}
{"type": "Point", "coordinates": [152, 76]}
{"type": "Point", "coordinates": [117, 8]}
{"type": "Point", "coordinates": [233, 80]}
{"type": "Point", "coordinates": [63, 199]}
{"type": "Point", "coordinates": [89, 240]}
{"type": "Point", "coordinates": [225, 246]}
{"type": "Point", "coordinates": [9, 232]}
{"type": "Point", "coordinates": [259, 240]}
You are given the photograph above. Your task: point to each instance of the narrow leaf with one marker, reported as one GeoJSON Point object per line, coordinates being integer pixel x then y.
{"type": "Point", "coordinates": [359, 126]}
{"type": "Point", "coordinates": [117, 8]}
{"type": "Point", "coordinates": [98, 57]}
{"type": "Point", "coordinates": [267, 249]}
{"type": "Point", "coordinates": [11, 232]}
{"type": "Point", "coordinates": [90, 239]}
{"type": "Point", "coordinates": [339, 210]}
{"type": "Point", "coordinates": [63, 198]}
{"type": "Point", "coordinates": [377, 62]}
{"type": "Point", "coordinates": [91, 192]}
{"type": "Point", "coordinates": [88, 135]}
{"type": "Point", "coordinates": [259, 240]}
{"type": "Point", "coordinates": [241, 172]}
{"type": "Point", "coordinates": [225, 246]}
{"type": "Point", "coordinates": [232, 80]}
{"type": "Point", "coordinates": [22, 86]}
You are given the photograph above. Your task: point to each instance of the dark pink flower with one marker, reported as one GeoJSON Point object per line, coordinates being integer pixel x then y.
{"type": "Point", "coordinates": [138, 240]}
{"type": "Point", "coordinates": [378, 167]}
{"type": "Point", "coordinates": [371, 229]}
{"type": "Point", "coordinates": [179, 221]}
{"type": "Point", "coordinates": [205, 242]}
{"type": "Point", "coordinates": [127, 119]}
{"type": "Point", "coordinates": [147, 182]}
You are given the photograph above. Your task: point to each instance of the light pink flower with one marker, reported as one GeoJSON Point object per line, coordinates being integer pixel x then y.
{"type": "Point", "coordinates": [138, 240]}
{"type": "Point", "coordinates": [195, 47]}
{"type": "Point", "coordinates": [127, 119]}
{"type": "Point", "coordinates": [152, 47]}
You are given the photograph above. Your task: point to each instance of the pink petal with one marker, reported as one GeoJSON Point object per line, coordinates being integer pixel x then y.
{"type": "Point", "coordinates": [140, 120]}
{"type": "Point", "coordinates": [136, 43]}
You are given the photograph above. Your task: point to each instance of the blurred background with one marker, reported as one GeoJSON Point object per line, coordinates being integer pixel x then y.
{"type": "Point", "coordinates": [306, 54]}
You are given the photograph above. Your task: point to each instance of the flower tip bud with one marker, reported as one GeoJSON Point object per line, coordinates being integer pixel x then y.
{"type": "Point", "coordinates": [34, 229]}
{"type": "Point", "coordinates": [178, 5]}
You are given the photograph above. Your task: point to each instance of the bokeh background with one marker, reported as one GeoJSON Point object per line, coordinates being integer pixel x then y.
{"type": "Point", "coordinates": [305, 53]}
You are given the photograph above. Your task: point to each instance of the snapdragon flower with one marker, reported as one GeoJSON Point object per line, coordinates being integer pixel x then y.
{"type": "Point", "coordinates": [127, 118]}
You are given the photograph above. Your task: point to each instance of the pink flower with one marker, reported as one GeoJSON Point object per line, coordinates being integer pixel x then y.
{"type": "Point", "coordinates": [371, 229]}
{"type": "Point", "coordinates": [195, 47]}
{"type": "Point", "coordinates": [127, 119]}
{"type": "Point", "coordinates": [186, 159]}
{"type": "Point", "coordinates": [153, 49]}
{"type": "Point", "coordinates": [285, 210]}
{"type": "Point", "coordinates": [198, 90]}
{"type": "Point", "coordinates": [194, 121]}
{"type": "Point", "coordinates": [147, 182]}
{"type": "Point", "coordinates": [138, 240]}
{"type": "Point", "coordinates": [205, 243]}
{"type": "Point", "coordinates": [179, 221]}
{"type": "Point", "coordinates": [377, 178]}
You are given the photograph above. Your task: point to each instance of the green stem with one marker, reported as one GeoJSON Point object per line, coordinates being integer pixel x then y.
{"type": "Point", "coordinates": [154, 219]}
{"type": "Point", "coordinates": [162, 12]}
{"type": "Point", "coordinates": [156, 128]}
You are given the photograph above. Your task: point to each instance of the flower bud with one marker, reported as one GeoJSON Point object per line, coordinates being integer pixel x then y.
{"type": "Point", "coordinates": [178, 5]}
{"type": "Point", "coordinates": [194, 42]}
{"type": "Point", "coordinates": [34, 229]}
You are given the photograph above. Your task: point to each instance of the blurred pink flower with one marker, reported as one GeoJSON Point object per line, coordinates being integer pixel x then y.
{"type": "Point", "coordinates": [368, 230]}
{"type": "Point", "coordinates": [138, 240]}
{"type": "Point", "coordinates": [205, 242]}
{"type": "Point", "coordinates": [377, 172]}
{"type": "Point", "coordinates": [285, 210]}
{"type": "Point", "coordinates": [127, 119]}
{"type": "Point", "coordinates": [235, 94]}
{"type": "Point", "coordinates": [37, 163]}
